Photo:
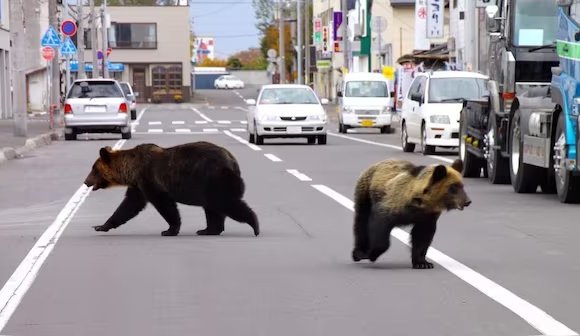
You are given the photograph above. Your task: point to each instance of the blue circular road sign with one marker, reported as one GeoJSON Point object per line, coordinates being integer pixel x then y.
{"type": "Point", "coordinates": [68, 27]}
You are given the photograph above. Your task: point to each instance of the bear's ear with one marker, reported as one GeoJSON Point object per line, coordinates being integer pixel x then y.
{"type": "Point", "coordinates": [105, 154]}
{"type": "Point", "coordinates": [439, 173]}
{"type": "Point", "coordinates": [457, 165]}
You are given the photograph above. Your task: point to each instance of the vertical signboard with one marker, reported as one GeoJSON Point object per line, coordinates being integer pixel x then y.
{"type": "Point", "coordinates": [435, 16]}
{"type": "Point", "coordinates": [421, 41]}
{"type": "Point", "coordinates": [337, 23]}
{"type": "Point", "coordinates": [317, 33]}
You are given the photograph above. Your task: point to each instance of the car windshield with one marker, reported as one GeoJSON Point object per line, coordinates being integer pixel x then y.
{"type": "Point", "coordinates": [442, 90]}
{"type": "Point", "coordinates": [535, 22]}
{"type": "Point", "coordinates": [95, 89]}
{"type": "Point", "coordinates": [288, 96]}
{"type": "Point", "coordinates": [366, 89]}
{"type": "Point", "coordinates": [126, 89]}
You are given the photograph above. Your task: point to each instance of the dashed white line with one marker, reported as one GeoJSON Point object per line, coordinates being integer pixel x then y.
{"type": "Point", "coordinates": [224, 107]}
{"type": "Point", "coordinates": [198, 122]}
{"type": "Point", "coordinates": [224, 122]}
{"type": "Point", "coordinates": [201, 114]}
{"type": "Point", "coordinates": [155, 123]}
{"type": "Point", "coordinates": [237, 129]}
{"type": "Point", "coordinates": [441, 158]}
{"type": "Point", "coordinates": [210, 130]}
{"type": "Point", "coordinates": [178, 122]}
{"type": "Point", "coordinates": [155, 130]}
{"type": "Point", "coordinates": [243, 121]}
{"type": "Point", "coordinates": [252, 146]}
{"type": "Point", "coordinates": [20, 281]}
{"type": "Point", "coordinates": [182, 130]}
{"type": "Point", "coordinates": [211, 107]}
{"type": "Point", "coordinates": [537, 318]}
{"type": "Point", "coordinates": [273, 157]}
{"type": "Point", "coordinates": [298, 175]}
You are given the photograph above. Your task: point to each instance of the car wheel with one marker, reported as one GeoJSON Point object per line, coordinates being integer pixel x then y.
{"type": "Point", "coordinates": [258, 138]}
{"type": "Point", "coordinates": [251, 138]}
{"type": "Point", "coordinates": [322, 139]}
{"type": "Point", "coordinates": [407, 147]}
{"type": "Point", "coordinates": [133, 115]}
{"type": "Point", "coordinates": [311, 140]}
{"type": "Point", "coordinates": [425, 149]}
{"type": "Point", "coordinates": [126, 135]}
{"type": "Point", "coordinates": [71, 136]}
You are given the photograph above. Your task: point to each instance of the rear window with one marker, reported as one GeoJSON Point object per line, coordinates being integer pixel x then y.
{"type": "Point", "coordinates": [126, 89]}
{"type": "Point", "coordinates": [95, 89]}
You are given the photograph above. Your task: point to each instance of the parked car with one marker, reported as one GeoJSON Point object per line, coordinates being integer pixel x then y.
{"type": "Point", "coordinates": [287, 111]}
{"type": "Point", "coordinates": [131, 97]}
{"type": "Point", "coordinates": [432, 108]}
{"type": "Point", "coordinates": [364, 101]}
{"type": "Point", "coordinates": [96, 106]}
{"type": "Point", "coordinates": [228, 82]}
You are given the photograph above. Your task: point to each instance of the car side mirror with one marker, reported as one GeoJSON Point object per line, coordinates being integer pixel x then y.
{"type": "Point", "coordinates": [251, 101]}
{"type": "Point", "coordinates": [339, 94]}
{"type": "Point", "coordinates": [324, 101]}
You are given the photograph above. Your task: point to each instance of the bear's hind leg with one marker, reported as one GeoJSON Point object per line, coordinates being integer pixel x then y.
{"type": "Point", "coordinates": [132, 204]}
{"type": "Point", "coordinates": [421, 237]}
{"type": "Point", "coordinates": [167, 208]}
{"type": "Point", "coordinates": [239, 211]}
{"type": "Point", "coordinates": [380, 235]}
{"type": "Point", "coordinates": [215, 223]}
{"type": "Point", "coordinates": [362, 212]}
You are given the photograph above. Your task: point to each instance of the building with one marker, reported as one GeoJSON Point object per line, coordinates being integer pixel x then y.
{"type": "Point", "coordinates": [5, 96]}
{"type": "Point", "coordinates": [150, 48]}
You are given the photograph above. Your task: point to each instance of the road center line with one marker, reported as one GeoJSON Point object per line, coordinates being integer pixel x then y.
{"type": "Point", "coordinates": [533, 315]}
{"type": "Point", "coordinates": [201, 114]}
{"type": "Point", "coordinates": [298, 175]}
{"type": "Point", "coordinates": [273, 157]}
{"type": "Point", "coordinates": [252, 146]}
{"type": "Point", "coordinates": [369, 142]}
{"type": "Point", "coordinates": [20, 281]}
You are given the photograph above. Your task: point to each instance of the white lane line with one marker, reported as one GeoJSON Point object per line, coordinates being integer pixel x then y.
{"type": "Point", "coordinates": [155, 130]}
{"type": "Point", "coordinates": [177, 133]}
{"type": "Point", "coordinates": [211, 107]}
{"type": "Point", "coordinates": [198, 122]}
{"type": "Point", "coordinates": [533, 315]}
{"type": "Point", "coordinates": [298, 175]}
{"type": "Point", "coordinates": [237, 129]}
{"type": "Point", "coordinates": [441, 158]}
{"type": "Point", "coordinates": [241, 108]}
{"type": "Point", "coordinates": [210, 130]}
{"type": "Point", "coordinates": [273, 157]}
{"type": "Point", "coordinates": [20, 281]}
{"type": "Point", "coordinates": [243, 121]}
{"type": "Point", "coordinates": [224, 107]}
{"type": "Point", "coordinates": [252, 146]}
{"type": "Point", "coordinates": [224, 122]}
{"type": "Point", "coordinates": [155, 123]}
{"type": "Point", "coordinates": [182, 130]}
{"type": "Point", "coordinates": [203, 116]}
{"type": "Point", "coordinates": [178, 122]}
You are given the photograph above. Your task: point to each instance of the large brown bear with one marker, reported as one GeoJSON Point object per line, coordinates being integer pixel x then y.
{"type": "Point", "coordinates": [394, 193]}
{"type": "Point", "coordinates": [199, 173]}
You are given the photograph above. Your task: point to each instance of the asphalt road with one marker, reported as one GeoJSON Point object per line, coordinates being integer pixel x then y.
{"type": "Point", "coordinates": [507, 265]}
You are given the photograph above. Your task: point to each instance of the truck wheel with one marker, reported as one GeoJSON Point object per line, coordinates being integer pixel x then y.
{"type": "Point", "coordinates": [407, 147]}
{"type": "Point", "coordinates": [525, 177]}
{"type": "Point", "coordinates": [471, 164]}
{"type": "Point", "coordinates": [496, 166]}
{"type": "Point", "coordinates": [567, 185]}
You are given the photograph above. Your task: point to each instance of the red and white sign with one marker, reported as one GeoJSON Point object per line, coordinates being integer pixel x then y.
{"type": "Point", "coordinates": [48, 53]}
{"type": "Point", "coordinates": [109, 50]}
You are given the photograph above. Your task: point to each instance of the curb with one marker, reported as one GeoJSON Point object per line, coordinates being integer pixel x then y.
{"type": "Point", "coordinates": [45, 139]}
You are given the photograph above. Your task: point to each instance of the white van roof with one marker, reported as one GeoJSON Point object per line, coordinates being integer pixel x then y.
{"type": "Point", "coordinates": [364, 76]}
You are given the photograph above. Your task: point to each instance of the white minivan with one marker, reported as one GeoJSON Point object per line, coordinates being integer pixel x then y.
{"type": "Point", "coordinates": [364, 100]}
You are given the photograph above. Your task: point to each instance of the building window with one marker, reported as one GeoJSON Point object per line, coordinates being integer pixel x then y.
{"type": "Point", "coordinates": [167, 79]}
{"type": "Point", "coordinates": [133, 35]}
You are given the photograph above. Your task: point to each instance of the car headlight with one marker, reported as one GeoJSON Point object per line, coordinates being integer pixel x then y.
{"type": "Point", "coordinates": [439, 119]}
{"type": "Point", "coordinates": [348, 109]}
{"type": "Point", "coordinates": [386, 109]}
{"type": "Point", "coordinates": [267, 117]}
{"type": "Point", "coordinates": [318, 117]}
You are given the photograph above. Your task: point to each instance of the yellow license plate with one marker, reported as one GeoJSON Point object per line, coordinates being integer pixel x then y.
{"type": "Point", "coordinates": [366, 123]}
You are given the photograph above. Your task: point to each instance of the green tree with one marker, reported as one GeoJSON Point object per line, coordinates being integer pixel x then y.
{"type": "Point", "coordinates": [234, 63]}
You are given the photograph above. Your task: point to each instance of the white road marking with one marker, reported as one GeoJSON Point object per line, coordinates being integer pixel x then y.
{"type": "Point", "coordinates": [200, 122]}
{"type": "Point", "coordinates": [155, 130]}
{"type": "Point", "coordinates": [533, 315]}
{"type": "Point", "coordinates": [241, 108]}
{"type": "Point", "coordinates": [211, 107]}
{"type": "Point", "coordinates": [224, 122]}
{"type": "Point", "coordinates": [182, 130]}
{"type": "Point", "coordinates": [252, 146]}
{"type": "Point", "coordinates": [441, 158]}
{"type": "Point", "coordinates": [210, 130]}
{"type": "Point", "coordinates": [178, 122]}
{"type": "Point", "coordinates": [243, 121]}
{"type": "Point", "coordinates": [203, 116]}
{"type": "Point", "coordinates": [273, 157]}
{"type": "Point", "coordinates": [155, 123]}
{"type": "Point", "coordinates": [298, 175]}
{"type": "Point", "coordinates": [237, 129]}
{"type": "Point", "coordinates": [224, 107]}
{"type": "Point", "coordinates": [20, 281]}
{"type": "Point", "coordinates": [179, 133]}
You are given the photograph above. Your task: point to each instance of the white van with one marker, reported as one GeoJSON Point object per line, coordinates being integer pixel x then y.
{"type": "Point", "coordinates": [364, 101]}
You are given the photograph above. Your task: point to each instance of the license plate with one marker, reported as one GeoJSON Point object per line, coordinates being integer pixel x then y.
{"type": "Point", "coordinates": [95, 109]}
{"type": "Point", "coordinates": [366, 122]}
{"type": "Point", "coordinates": [294, 129]}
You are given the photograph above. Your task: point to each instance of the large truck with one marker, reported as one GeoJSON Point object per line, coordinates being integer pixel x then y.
{"type": "Point", "coordinates": [526, 132]}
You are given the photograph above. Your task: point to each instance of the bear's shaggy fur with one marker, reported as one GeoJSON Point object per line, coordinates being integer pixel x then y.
{"type": "Point", "coordinates": [394, 193]}
{"type": "Point", "coordinates": [199, 174]}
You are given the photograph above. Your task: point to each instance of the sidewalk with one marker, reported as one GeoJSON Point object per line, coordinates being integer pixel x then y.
{"type": "Point", "coordinates": [38, 134]}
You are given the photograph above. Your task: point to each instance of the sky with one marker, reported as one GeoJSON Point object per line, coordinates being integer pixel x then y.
{"type": "Point", "coordinates": [230, 22]}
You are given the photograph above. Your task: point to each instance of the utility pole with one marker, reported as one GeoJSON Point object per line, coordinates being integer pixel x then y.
{"type": "Point", "coordinates": [18, 37]}
{"type": "Point", "coordinates": [55, 86]}
{"type": "Point", "coordinates": [94, 40]}
{"type": "Point", "coordinates": [346, 51]}
{"type": "Point", "coordinates": [299, 38]}
{"type": "Point", "coordinates": [105, 38]}
{"type": "Point", "coordinates": [81, 40]}
{"type": "Point", "coordinates": [66, 57]}
{"type": "Point", "coordinates": [281, 43]}
{"type": "Point", "coordinates": [307, 21]}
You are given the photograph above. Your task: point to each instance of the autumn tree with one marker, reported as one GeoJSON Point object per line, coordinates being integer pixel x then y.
{"type": "Point", "coordinates": [270, 40]}
{"type": "Point", "coordinates": [251, 59]}
{"type": "Point", "coordinates": [207, 62]}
